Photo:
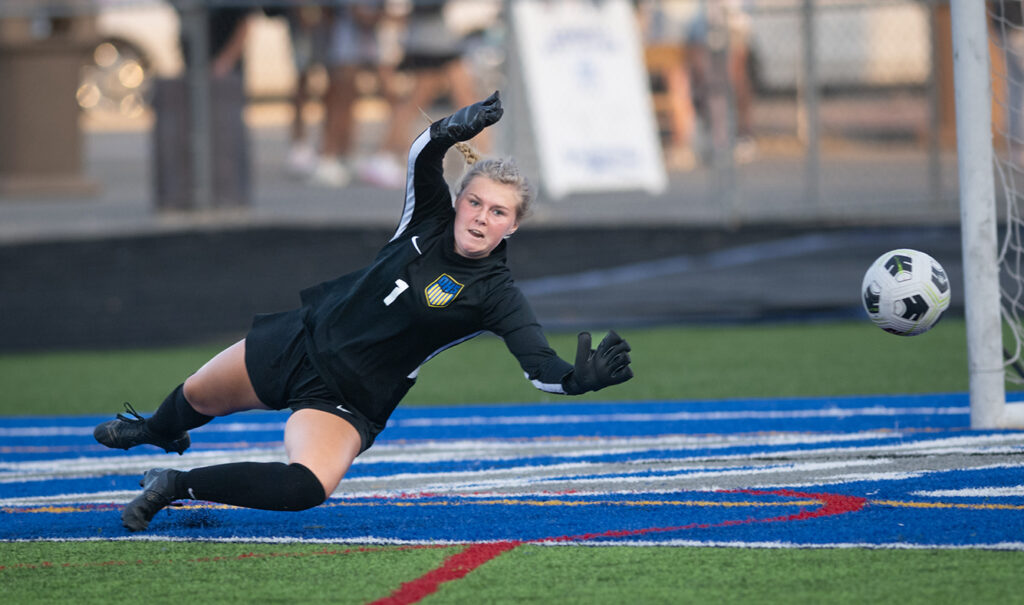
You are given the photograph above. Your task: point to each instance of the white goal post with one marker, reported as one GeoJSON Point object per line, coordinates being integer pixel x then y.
{"type": "Point", "coordinates": [978, 219]}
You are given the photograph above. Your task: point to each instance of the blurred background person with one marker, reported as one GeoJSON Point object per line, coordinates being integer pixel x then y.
{"type": "Point", "coordinates": [737, 22]}
{"type": "Point", "coordinates": [718, 49]}
{"type": "Point", "coordinates": [309, 33]}
{"type": "Point", "coordinates": [432, 55]}
{"type": "Point", "coordinates": [353, 47]}
{"type": "Point", "coordinates": [662, 24]}
{"type": "Point", "coordinates": [227, 30]}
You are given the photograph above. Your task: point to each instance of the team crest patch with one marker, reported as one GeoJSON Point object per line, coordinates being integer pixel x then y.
{"type": "Point", "coordinates": [442, 291]}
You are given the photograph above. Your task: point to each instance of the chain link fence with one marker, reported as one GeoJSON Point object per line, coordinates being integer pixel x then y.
{"type": "Point", "coordinates": [773, 110]}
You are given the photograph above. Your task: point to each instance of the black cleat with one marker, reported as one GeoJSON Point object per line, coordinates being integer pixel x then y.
{"type": "Point", "coordinates": [158, 492]}
{"type": "Point", "coordinates": [124, 433]}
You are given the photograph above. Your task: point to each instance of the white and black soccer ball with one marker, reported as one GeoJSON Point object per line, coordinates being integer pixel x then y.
{"type": "Point", "coordinates": [905, 292]}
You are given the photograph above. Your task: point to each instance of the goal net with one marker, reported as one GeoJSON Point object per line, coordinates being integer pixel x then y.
{"type": "Point", "coordinates": [990, 134]}
{"type": "Point", "coordinates": [1007, 41]}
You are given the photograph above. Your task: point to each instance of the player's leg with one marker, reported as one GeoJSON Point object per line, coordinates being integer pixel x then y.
{"type": "Point", "coordinates": [322, 442]}
{"type": "Point", "coordinates": [340, 127]}
{"type": "Point", "coordinates": [427, 86]}
{"type": "Point", "coordinates": [220, 387]}
{"type": "Point", "coordinates": [320, 446]}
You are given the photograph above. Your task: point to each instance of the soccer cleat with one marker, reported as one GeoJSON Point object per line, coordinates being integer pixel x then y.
{"type": "Point", "coordinates": [125, 433]}
{"type": "Point", "coordinates": [158, 491]}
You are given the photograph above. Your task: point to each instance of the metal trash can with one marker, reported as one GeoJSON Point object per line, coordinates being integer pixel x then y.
{"type": "Point", "coordinates": [174, 182]}
{"type": "Point", "coordinates": [41, 146]}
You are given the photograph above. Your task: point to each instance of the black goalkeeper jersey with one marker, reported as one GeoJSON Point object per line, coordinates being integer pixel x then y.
{"type": "Point", "coordinates": [367, 333]}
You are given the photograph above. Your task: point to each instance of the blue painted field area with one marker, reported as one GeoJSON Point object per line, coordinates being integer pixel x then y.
{"type": "Point", "coordinates": [889, 472]}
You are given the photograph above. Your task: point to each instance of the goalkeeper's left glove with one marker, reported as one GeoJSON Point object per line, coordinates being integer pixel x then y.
{"type": "Point", "coordinates": [594, 370]}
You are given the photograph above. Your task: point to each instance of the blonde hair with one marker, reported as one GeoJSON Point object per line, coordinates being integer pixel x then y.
{"type": "Point", "coordinates": [472, 155]}
{"type": "Point", "coordinates": [500, 170]}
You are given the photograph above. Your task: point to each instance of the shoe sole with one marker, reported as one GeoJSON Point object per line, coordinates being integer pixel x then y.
{"type": "Point", "coordinates": [105, 436]}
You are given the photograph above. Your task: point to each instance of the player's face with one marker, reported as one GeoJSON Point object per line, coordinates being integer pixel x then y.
{"type": "Point", "coordinates": [485, 213]}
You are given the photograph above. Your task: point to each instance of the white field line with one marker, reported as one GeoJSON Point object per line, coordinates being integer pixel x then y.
{"type": "Point", "coordinates": [77, 468]}
{"type": "Point", "coordinates": [79, 431]}
{"type": "Point", "coordinates": [520, 477]}
{"type": "Point", "coordinates": [970, 444]}
{"type": "Point", "coordinates": [503, 450]}
{"type": "Point", "coordinates": [577, 474]}
{"type": "Point", "coordinates": [113, 497]}
{"type": "Point", "coordinates": [782, 465]}
{"type": "Point", "coordinates": [541, 487]}
{"type": "Point", "coordinates": [497, 450]}
{"type": "Point", "coordinates": [802, 545]}
{"type": "Point", "coordinates": [481, 481]}
{"type": "Point", "coordinates": [401, 496]}
{"type": "Point", "coordinates": [377, 541]}
{"type": "Point", "coordinates": [93, 467]}
{"type": "Point", "coordinates": [555, 419]}
{"type": "Point", "coordinates": [421, 452]}
{"type": "Point", "coordinates": [973, 492]}
{"type": "Point", "coordinates": [546, 419]}
{"type": "Point", "coordinates": [535, 490]}
{"type": "Point", "coordinates": [816, 482]}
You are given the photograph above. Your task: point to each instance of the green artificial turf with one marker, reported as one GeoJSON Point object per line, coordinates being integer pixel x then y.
{"type": "Point", "coordinates": [702, 362]}
{"type": "Point", "coordinates": [733, 575]}
{"type": "Point", "coordinates": [176, 573]}
{"type": "Point", "coordinates": [133, 572]}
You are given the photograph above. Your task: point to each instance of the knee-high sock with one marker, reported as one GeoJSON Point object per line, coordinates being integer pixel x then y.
{"type": "Point", "coordinates": [263, 485]}
{"type": "Point", "coordinates": [175, 415]}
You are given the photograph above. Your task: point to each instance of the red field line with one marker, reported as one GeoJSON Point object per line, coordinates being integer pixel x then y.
{"type": "Point", "coordinates": [832, 504]}
{"type": "Point", "coordinates": [454, 567]}
{"type": "Point", "coordinates": [473, 556]}
{"type": "Point", "coordinates": [459, 565]}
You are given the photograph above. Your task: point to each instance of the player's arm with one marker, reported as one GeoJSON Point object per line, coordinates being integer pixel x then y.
{"type": "Point", "coordinates": [513, 320]}
{"type": "Point", "coordinates": [594, 369]}
{"type": "Point", "coordinates": [427, 192]}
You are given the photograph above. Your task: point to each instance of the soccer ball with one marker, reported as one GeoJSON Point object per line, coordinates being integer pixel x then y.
{"type": "Point", "coordinates": [905, 292]}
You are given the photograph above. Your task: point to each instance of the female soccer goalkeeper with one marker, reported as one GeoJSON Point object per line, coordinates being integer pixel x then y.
{"type": "Point", "coordinates": [344, 360]}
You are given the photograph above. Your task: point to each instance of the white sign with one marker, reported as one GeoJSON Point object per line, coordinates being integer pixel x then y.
{"type": "Point", "coordinates": [589, 96]}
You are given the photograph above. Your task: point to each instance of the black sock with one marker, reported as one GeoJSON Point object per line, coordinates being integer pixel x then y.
{"type": "Point", "coordinates": [263, 485]}
{"type": "Point", "coordinates": [175, 415]}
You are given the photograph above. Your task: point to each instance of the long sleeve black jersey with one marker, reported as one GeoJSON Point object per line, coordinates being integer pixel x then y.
{"type": "Point", "coordinates": [368, 332]}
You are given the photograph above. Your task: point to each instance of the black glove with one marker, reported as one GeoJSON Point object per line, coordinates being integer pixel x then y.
{"type": "Point", "coordinates": [469, 121]}
{"type": "Point", "coordinates": [594, 370]}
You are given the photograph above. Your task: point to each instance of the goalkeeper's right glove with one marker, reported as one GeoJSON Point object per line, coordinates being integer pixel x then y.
{"type": "Point", "coordinates": [594, 370]}
{"type": "Point", "coordinates": [469, 121]}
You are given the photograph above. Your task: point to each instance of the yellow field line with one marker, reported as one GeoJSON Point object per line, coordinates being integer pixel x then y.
{"type": "Point", "coordinates": [567, 503]}
{"type": "Point", "coordinates": [491, 502]}
{"type": "Point", "coordinates": [512, 502]}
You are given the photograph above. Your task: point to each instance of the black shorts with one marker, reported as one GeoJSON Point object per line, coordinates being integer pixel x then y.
{"type": "Point", "coordinates": [283, 376]}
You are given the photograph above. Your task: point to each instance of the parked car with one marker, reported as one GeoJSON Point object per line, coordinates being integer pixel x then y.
{"type": "Point", "coordinates": [140, 41]}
